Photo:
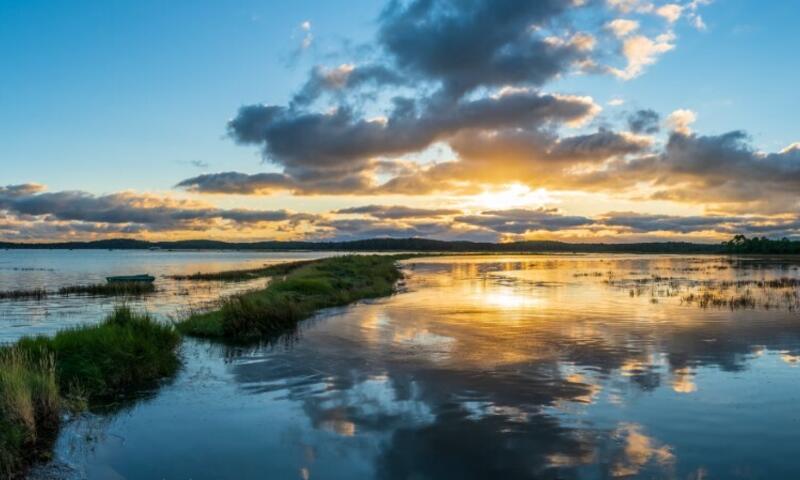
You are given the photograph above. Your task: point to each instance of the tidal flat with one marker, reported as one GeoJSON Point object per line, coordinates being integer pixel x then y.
{"type": "Point", "coordinates": [545, 366]}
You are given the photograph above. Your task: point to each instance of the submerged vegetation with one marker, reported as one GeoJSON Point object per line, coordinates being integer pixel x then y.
{"type": "Point", "coordinates": [244, 275]}
{"type": "Point", "coordinates": [109, 289]}
{"type": "Point", "coordinates": [33, 294]}
{"type": "Point", "coordinates": [130, 289]}
{"type": "Point", "coordinates": [38, 376]}
{"type": "Point", "coordinates": [319, 284]}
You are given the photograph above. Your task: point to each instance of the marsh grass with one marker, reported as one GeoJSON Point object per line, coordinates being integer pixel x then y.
{"type": "Point", "coordinates": [33, 294]}
{"type": "Point", "coordinates": [319, 284]}
{"type": "Point", "coordinates": [109, 289]}
{"type": "Point", "coordinates": [29, 408]}
{"type": "Point", "coordinates": [131, 289]}
{"type": "Point", "coordinates": [718, 299]}
{"type": "Point", "coordinates": [88, 365]}
{"type": "Point", "coordinates": [244, 275]}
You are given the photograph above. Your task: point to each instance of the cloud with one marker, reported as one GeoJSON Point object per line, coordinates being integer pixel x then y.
{"type": "Point", "coordinates": [644, 121]}
{"type": "Point", "coordinates": [520, 221]}
{"type": "Point", "coordinates": [128, 211]}
{"type": "Point", "coordinates": [237, 183]}
{"type": "Point", "coordinates": [681, 120]}
{"type": "Point", "coordinates": [308, 37]}
{"type": "Point", "coordinates": [397, 211]}
{"type": "Point", "coordinates": [343, 79]}
{"type": "Point", "coordinates": [336, 151]}
{"type": "Point", "coordinates": [720, 224]}
{"type": "Point", "coordinates": [671, 12]}
{"type": "Point", "coordinates": [628, 6]}
{"type": "Point", "coordinates": [721, 170]}
{"type": "Point", "coordinates": [641, 51]}
{"type": "Point", "coordinates": [464, 45]}
{"type": "Point", "coordinates": [622, 27]}
{"type": "Point", "coordinates": [511, 155]}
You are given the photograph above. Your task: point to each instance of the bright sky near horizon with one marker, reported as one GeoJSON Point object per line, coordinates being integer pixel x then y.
{"type": "Point", "coordinates": [580, 120]}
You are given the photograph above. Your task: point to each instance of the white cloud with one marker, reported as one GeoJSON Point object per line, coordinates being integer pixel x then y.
{"type": "Point", "coordinates": [308, 38]}
{"type": "Point", "coordinates": [641, 51]}
{"type": "Point", "coordinates": [671, 12]}
{"type": "Point", "coordinates": [627, 6]}
{"type": "Point", "coordinates": [621, 27]}
{"type": "Point", "coordinates": [681, 120]}
{"type": "Point", "coordinates": [791, 148]}
{"type": "Point", "coordinates": [616, 102]}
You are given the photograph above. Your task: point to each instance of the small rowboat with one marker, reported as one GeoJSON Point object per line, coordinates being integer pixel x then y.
{"type": "Point", "coordinates": [131, 278]}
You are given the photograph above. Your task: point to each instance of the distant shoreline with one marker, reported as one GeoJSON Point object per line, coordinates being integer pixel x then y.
{"type": "Point", "coordinates": [381, 245]}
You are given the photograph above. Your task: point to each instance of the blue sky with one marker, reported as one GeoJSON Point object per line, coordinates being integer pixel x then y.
{"type": "Point", "coordinates": [126, 94]}
{"type": "Point", "coordinates": [104, 97]}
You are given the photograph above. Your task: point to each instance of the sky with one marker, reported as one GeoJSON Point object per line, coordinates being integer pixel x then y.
{"type": "Point", "coordinates": [491, 120]}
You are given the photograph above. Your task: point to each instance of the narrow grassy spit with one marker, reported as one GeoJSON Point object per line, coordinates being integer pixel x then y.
{"type": "Point", "coordinates": [244, 275]}
{"type": "Point", "coordinates": [315, 285]}
{"type": "Point", "coordinates": [93, 364]}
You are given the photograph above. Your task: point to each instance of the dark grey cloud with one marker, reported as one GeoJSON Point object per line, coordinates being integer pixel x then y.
{"type": "Point", "coordinates": [28, 202]}
{"type": "Point", "coordinates": [644, 121]}
{"type": "Point", "coordinates": [722, 169]}
{"type": "Point", "coordinates": [722, 224]}
{"type": "Point", "coordinates": [519, 221]}
{"type": "Point", "coordinates": [598, 146]}
{"type": "Point", "coordinates": [464, 44]}
{"type": "Point", "coordinates": [360, 228]}
{"type": "Point", "coordinates": [343, 79]}
{"type": "Point", "coordinates": [237, 183]}
{"type": "Point", "coordinates": [335, 151]}
{"type": "Point", "coordinates": [398, 211]}
{"type": "Point", "coordinates": [669, 223]}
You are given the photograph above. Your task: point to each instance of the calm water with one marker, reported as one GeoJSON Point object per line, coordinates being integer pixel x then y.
{"type": "Point", "coordinates": [51, 269]}
{"type": "Point", "coordinates": [586, 367]}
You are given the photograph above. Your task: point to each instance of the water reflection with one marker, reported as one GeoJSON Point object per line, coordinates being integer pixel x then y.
{"type": "Point", "coordinates": [487, 367]}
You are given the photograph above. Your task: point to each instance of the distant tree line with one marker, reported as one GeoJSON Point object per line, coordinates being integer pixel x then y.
{"type": "Point", "coordinates": [737, 245]}
{"type": "Point", "coordinates": [742, 244]}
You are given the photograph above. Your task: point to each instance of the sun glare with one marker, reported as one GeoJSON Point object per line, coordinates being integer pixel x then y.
{"type": "Point", "coordinates": [514, 195]}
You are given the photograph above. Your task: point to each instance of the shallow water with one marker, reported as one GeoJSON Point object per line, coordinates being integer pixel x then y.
{"type": "Point", "coordinates": [52, 269]}
{"type": "Point", "coordinates": [485, 367]}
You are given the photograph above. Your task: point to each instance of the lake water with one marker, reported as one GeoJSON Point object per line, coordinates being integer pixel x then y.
{"type": "Point", "coordinates": [587, 367]}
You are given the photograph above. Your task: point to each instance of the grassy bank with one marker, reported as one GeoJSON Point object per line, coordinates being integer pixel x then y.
{"type": "Point", "coordinates": [38, 376]}
{"type": "Point", "coordinates": [315, 285]}
{"type": "Point", "coordinates": [244, 275]}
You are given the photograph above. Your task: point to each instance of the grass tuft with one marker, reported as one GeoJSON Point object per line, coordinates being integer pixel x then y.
{"type": "Point", "coordinates": [29, 407]}
{"type": "Point", "coordinates": [38, 376]}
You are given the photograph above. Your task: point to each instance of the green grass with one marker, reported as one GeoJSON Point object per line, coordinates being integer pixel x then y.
{"type": "Point", "coordinates": [29, 408]}
{"type": "Point", "coordinates": [315, 285]}
{"type": "Point", "coordinates": [126, 352]}
{"type": "Point", "coordinates": [244, 275]}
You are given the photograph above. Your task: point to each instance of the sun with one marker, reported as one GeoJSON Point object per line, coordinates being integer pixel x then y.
{"type": "Point", "coordinates": [514, 195]}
